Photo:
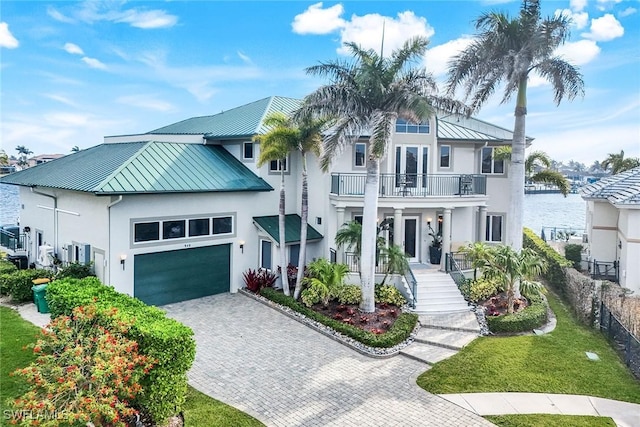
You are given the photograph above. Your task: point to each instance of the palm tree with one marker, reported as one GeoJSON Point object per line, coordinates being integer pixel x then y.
{"type": "Point", "coordinates": [23, 152]}
{"type": "Point", "coordinates": [618, 163]}
{"type": "Point", "coordinates": [367, 96]}
{"type": "Point", "coordinates": [396, 260]}
{"type": "Point", "coordinates": [505, 52]}
{"type": "Point", "coordinates": [75, 149]}
{"type": "Point", "coordinates": [537, 168]}
{"type": "Point", "coordinates": [303, 134]}
{"type": "Point", "coordinates": [510, 269]}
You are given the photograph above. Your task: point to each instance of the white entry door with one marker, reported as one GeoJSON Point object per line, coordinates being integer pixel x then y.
{"type": "Point", "coordinates": [411, 241]}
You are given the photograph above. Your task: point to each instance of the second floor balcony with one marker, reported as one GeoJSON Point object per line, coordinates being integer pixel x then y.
{"type": "Point", "coordinates": [411, 185]}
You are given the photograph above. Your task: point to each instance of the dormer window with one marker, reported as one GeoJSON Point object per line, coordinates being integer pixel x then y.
{"type": "Point", "coordinates": [402, 126]}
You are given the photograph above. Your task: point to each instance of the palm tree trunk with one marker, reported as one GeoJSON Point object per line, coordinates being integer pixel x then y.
{"type": "Point", "coordinates": [517, 171]}
{"type": "Point", "coordinates": [369, 227]}
{"type": "Point", "coordinates": [304, 214]}
{"type": "Point", "coordinates": [284, 280]}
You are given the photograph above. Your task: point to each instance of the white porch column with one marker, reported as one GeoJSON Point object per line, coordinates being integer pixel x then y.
{"type": "Point", "coordinates": [340, 221]}
{"type": "Point", "coordinates": [398, 227]}
{"type": "Point", "coordinates": [483, 224]}
{"type": "Point", "coordinates": [446, 236]}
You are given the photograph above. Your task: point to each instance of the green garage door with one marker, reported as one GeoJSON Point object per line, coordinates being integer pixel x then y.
{"type": "Point", "coordinates": [166, 277]}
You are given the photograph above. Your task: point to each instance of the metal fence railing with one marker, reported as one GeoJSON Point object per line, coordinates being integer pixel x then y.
{"type": "Point", "coordinates": [601, 270]}
{"type": "Point", "coordinates": [352, 261]}
{"type": "Point", "coordinates": [11, 240]}
{"type": "Point", "coordinates": [454, 270]}
{"type": "Point", "coordinates": [624, 341]}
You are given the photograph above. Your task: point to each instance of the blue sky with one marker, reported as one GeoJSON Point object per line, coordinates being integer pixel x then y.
{"type": "Point", "coordinates": [72, 72]}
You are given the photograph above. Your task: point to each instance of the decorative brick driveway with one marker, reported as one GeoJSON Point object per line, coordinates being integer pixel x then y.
{"type": "Point", "coordinates": [285, 374]}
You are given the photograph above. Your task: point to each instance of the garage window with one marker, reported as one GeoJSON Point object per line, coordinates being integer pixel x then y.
{"type": "Point", "coordinates": [199, 227]}
{"type": "Point", "coordinates": [223, 225]}
{"type": "Point", "coordinates": [173, 229]}
{"type": "Point", "coordinates": [147, 231]}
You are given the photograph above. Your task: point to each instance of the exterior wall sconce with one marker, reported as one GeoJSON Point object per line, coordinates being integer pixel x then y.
{"type": "Point", "coordinates": [429, 221]}
{"type": "Point", "coordinates": [123, 258]}
{"type": "Point", "coordinates": [241, 242]}
{"type": "Point", "coordinates": [619, 244]}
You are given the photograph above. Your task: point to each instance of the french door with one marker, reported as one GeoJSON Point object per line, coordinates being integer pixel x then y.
{"type": "Point", "coordinates": [411, 167]}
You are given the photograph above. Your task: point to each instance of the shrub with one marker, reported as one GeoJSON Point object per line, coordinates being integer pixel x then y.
{"type": "Point", "coordinates": [255, 280]}
{"type": "Point", "coordinates": [399, 331]}
{"type": "Point", "coordinates": [389, 294]}
{"type": "Point", "coordinates": [525, 320]}
{"type": "Point", "coordinates": [555, 274]}
{"type": "Point", "coordinates": [573, 252]}
{"type": "Point", "coordinates": [20, 283]}
{"type": "Point", "coordinates": [75, 270]}
{"type": "Point", "coordinates": [7, 266]}
{"type": "Point", "coordinates": [167, 341]}
{"type": "Point", "coordinates": [481, 289]}
{"type": "Point", "coordinates": [315, 292]}
{"type": "Point", "coordinates": [349, 294]}
{"type": "Point", "coordinates": [84, 371]}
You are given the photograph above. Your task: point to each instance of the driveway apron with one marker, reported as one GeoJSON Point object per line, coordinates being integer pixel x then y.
{"type": "Point", "coordinates": [285, 374]}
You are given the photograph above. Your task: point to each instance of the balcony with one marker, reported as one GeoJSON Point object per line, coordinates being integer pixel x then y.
{"type": "Point", "coordinates": [12, 242]}
{"type": "Point", "coordinates": [411, 185]}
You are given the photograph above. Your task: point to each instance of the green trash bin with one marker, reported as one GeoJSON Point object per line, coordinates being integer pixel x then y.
{"type": "Point", "coordinates": [38, 292]}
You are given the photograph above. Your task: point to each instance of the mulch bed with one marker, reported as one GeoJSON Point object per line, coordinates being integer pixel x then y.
{"type": "Point", "coordinates": [377, 322]}
{"type": "Point", "coordinates": [497, 305]}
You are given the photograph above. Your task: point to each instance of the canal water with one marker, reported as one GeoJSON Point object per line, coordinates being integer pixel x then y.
{"type": "Point", "coordinates": [540, 210]}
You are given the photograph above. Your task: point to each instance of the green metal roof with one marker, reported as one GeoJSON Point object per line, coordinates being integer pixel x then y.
{"type": "Point", "coordinates": [143, 167]}
{"type": "Point", "coordinates": [246, 120]}
{"type": "Point", "coordinates": [460, 127]}
{"type": "Point", "coordinates": [291, 228]}
{"type": "Point", "coordinates": [448, 130]}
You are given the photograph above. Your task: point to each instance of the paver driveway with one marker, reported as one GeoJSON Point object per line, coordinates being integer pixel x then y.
{"type": "Point", "coordinates": [285, 374]}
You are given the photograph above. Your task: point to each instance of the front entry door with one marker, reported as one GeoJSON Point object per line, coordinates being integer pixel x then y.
{"type": "Point", "coordinates": [411, 238]}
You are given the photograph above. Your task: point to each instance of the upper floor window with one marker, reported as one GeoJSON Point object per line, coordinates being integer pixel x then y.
{"type": "Point", "coordinates": [360, 151]}
{"type": "Point", "coordinates": [278, 165]}
{"type": "Point", "coordinates": [445, 156]}
{"type": "Point", "coordinates": [494, 228]}
{"type": "Point", "coordinates": [182, 228]}
{"type": "Point", "coordinates": [489, 164]}
{"type": "Point", "coordinates": [247, 150]}
{"type": "Point", "coordinates": [402, 126]}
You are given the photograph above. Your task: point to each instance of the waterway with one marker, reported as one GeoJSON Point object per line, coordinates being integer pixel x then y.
{"type": "Point", "coordinates": [540, 210]}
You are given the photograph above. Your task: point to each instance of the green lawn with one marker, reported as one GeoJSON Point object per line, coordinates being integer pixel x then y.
{"type": "Point", "coordinates": [549, 420]}
{"type": "Point", "coordinates": [551, 363]}
{"type": "Point", "coordinates": [15, 333]}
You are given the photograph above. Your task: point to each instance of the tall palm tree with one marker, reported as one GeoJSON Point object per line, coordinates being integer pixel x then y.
{"type": "Point", "coordinates": [75, 149]}
{"type": "Point", "coordinates": [286, 135]}
{"type": "Point", "coordinates": [366, 96]}
{"type": "Point", "coordinates": [537, 168]}
{"type": "Point", "coordinates": [618, 163]}
{"type": "Point", "coordinates": [23, 152]}
{"type": "Point", "coordinates": [505, 52]}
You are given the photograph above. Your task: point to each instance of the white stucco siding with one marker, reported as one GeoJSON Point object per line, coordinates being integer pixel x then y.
{"type": "Point", "coordinates": [629, 235]}
{"type": "Point", "coordinates": [463, 229]}
{"type": "Point", "coordinates": [604, 232]}
{"type": "Point", "coordinates": [463, 156]}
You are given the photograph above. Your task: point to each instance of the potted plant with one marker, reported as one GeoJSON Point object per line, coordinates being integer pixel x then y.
{"type": "Point", "coordinates": [435, 249]}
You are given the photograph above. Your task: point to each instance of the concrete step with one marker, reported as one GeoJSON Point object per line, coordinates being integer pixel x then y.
{"type": "Point", "coordinates": [446, 338]}
{"type": "Point", "coordinates": [463, 321]}
{"type": "Point", "coordinates": [427, 353]}
{"type": "Point", "coordinates": [426, 308]}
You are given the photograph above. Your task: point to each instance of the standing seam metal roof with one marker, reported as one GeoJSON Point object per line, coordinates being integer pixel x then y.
{"type": "Point", "coordinates": [143, 167]}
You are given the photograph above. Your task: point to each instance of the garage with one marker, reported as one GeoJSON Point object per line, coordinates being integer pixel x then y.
{"type": "Point", "coordinates": [166, 277]}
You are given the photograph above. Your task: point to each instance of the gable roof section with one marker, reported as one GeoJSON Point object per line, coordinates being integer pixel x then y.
{"type": "Point", "coordinates": [243, 121]}
{"type": "Point", "coordinates": [462, 128]}
{"type": "Point", "coordinates": [143, 167]}
{"type": "Point", "coordinates": [269, 224]}
{"type": "Point", "coordinates": [622, 189]}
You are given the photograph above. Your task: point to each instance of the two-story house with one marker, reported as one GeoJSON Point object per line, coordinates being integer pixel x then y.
{"type": "Point", "coordinates": [182, 211]}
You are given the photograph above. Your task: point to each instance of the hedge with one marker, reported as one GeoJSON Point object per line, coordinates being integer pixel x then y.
{"type": "Point", "coordinates": [18, 283]}
{"type": "Point", "coordinates": [169, 342]}
{"type": "Point", "coordinates": [573, 252]}
{"type": "Point", "coordinates": [525, 320]}
{"type": "Point", "coordinates": [399, 331]}
{"type": "Point", "coordinates": [555, 274]}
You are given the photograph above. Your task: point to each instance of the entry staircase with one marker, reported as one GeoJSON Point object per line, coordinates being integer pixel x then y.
{"type": "Point", "coordinates": [446, 321]}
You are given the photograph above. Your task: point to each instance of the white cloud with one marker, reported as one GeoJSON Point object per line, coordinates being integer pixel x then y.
{"type": "Point", "coordinates": [577, 5]}
{"type": "Point", "coordinates": [148, 19]}
{"type": "Point", "coordinates": [6, 38]}
{"type": "Point", "coordinates": [316, 20]}
{"type": "Point", "coordinates": [93, 11]}
{"type": "Point", "coordinates": [60, 119]}
{"type": "Point", "coordinates": [580, 52]}
{"type": "Point", "coordinates": [437, 58]}
{"type": "Point", "coordinates": [94, 63]}
{"type": "Point", "coordinates": [147, 102]}
{"type": "Point", "coordinates": [605, 28]}
{"type": "Point", "coordinates": [627, 12]}
{"type": "Point", "coordinates": [245, 58]}
{"type": "Point", "coordinates": [73, 49]}
{"type": "Point", "coordinates": [366, 31]}
{"type": "Point", "coordinates": [606, 4]}
{"type": "Point", "coordinates": [55, 14]}
{"type": "Point", "coordinates": [578, 19]}
{"type": "Point", "coordinates": [61, 98]}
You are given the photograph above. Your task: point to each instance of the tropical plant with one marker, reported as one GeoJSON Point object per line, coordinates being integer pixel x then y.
{"type": "Point", "coordinates": [75, 149]}
{"type": "Point", "coordinates": [396, 260]}
{"type": "Point", "coordinates": [436, 241]}
{"type": "Point", "coordinates": [618, 163]}
{"type": "Point", "coordinates": [537, 168]}
{"type": "Point", "coordinates": [509, 269]}
{"type": "Point", "coordinates": [366, 96]}
{"type": "Point", "coordinates": [23, 153]}
{"type": "Point", "coordinates": [4, 159]}
{"type": "Point", "coordinates": [324, 282]}
{"type": "Point", "coordinates": [505, 52]}
{"type": "Point", "coordinates": [350, 235]}
{"type": "Point", "coordinates": [285, 135]}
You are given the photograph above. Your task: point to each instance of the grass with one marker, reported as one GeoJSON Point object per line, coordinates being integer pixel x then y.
{"type": "Point", "coordinates": [15, 333]}
{"type": "Point", "coordinates": [550, 420]}
{"type": "Point", "coordinates": [550, 363]}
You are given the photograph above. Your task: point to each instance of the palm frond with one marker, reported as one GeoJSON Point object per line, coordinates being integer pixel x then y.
{"type": "Point", "coordinates": [549, 176]}
{"type": "Point", "coordinates": [565, 79]}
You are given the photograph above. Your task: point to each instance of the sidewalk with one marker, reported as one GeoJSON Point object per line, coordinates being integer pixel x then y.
{"type": "Point", "coordinates": [623, 413]}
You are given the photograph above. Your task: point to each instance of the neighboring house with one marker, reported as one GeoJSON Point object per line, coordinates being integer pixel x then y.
{"type": "Point", "coordinates": [42, 158]}
{"type": "Point", "coordinates": [613, 227]}
{"type": "Point", "coordinates": [182, 211]}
